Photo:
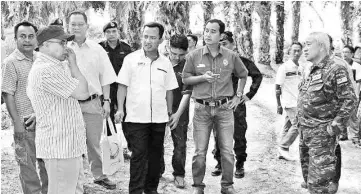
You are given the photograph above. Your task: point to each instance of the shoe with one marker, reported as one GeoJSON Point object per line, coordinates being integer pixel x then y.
{"type": "Point", "coordinates": [332, 188]}
{"type": "Point", "coordinates": [198, 190]}
{"type": "Point", "coordinates": [106, 183]}
{"type": "Point", "coordinates": [283, 154]}
{"type": "Point", "coordinates": [229, 190]}
{"type": "Point", "coordinates": [343, 137]}
{"type": "Point", "coordinates": [179, 182]}
{"type": "Point", "coordinates": [217, 170]}
{"type": "Point", "coordinates": [304, 185]}
{"type": "Point", "coordinates": [239, 170]}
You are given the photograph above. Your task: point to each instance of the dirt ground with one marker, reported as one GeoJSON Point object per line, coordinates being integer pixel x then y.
{"type": "Point", "coordinates": [265, 173]}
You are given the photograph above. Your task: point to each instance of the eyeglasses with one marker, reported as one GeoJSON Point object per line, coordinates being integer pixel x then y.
{"type": "Point", "coordinates": [24, 36]}
{"type": "Point", "coordinates": [62, 43]}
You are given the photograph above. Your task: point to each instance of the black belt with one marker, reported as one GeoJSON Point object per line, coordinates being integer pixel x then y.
{"type": "Point", "coordinates": [90, 98]}
{"type": "Point", "coordinates": [213, 102]}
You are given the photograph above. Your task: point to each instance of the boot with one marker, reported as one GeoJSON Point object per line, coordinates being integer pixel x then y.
{"type": "Point", "coordinates": [217, 170]}
{"type": "Point", "coordinates": [239, 170]}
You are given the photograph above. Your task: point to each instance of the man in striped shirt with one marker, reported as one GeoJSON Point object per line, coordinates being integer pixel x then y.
{"type": "Point", "coordinates": [54, 93]}
{"type": "Point", "coordinates": [15, 71]}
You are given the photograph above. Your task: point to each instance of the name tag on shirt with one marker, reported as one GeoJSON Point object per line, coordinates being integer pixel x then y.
{"type": "Point", "coordinates": [201, 65]}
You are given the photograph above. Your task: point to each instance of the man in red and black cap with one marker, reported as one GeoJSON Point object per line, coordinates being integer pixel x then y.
{"type": "Point", "coordinates": [54, 92]}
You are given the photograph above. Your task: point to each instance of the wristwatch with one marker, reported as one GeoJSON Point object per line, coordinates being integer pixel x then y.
{"type": "Point", "coordinates": [107, 100]}
{"type": "Point", "coordinates": [239, 94]}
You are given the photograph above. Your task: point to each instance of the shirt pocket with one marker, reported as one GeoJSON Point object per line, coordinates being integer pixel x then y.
{"type": "Point", "coordinates": [159, 77]}
{"type": "Point", "coordinates": [202, 68]}
{"type": "Point", "coordinates": [225, 74]}
{"type": "Point", "coordinates": [316, 93]}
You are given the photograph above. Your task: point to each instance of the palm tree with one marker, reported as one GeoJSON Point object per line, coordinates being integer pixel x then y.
{"type": "Point", "coordinates": [296, 18]}
{"type": "Point", "coordinates": [264, 11]}
{"type": "Point", "coordinates": [208, 10]}
{"type": "Point", "coordinates": [280, 11]}
{"type": "Point", "coordinates": [243, 31]}
{"type": "Point", "coordinates": [174, 15]}
{"type": "Point", "coordinates": [346, 10]}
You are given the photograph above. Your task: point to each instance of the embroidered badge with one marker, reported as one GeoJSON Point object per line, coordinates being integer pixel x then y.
{"type": "Point", "coordinates": [225, 62]}
{"type": "Point", "coordinates": [112, 24]}
{"type": "Point", "coordinates": [316, 77]}
{"type": "Point", "coordinates": [141, 63]}
{"type": "Point", "coordinates": [341, 80]}
{"type": "Point", "coordinates": [201, 65]}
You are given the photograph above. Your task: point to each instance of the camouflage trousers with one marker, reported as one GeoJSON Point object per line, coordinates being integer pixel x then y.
{"type": "Point", "coordinates": [320, 157]}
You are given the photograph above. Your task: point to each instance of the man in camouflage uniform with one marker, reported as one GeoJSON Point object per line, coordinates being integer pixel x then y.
{"type": "Point", "coordinates": [326, 99]}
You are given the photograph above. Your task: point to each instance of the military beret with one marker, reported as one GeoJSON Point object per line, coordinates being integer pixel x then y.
{"type": "Point", "coordinates": [57, 21]}
{"type": "Point", "coordinates": [110, 25]}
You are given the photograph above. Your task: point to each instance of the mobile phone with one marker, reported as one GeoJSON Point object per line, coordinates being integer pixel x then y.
{"type": "Point", "coordinates": [216, 75]}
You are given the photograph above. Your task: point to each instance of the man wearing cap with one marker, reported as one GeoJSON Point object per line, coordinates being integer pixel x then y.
{"type": "Point", "coordinates": [95, 65]}
{"type": "Point", "coordinates": [208, 69]}
{"type": "Point", "coordinates": [15, 71]}
{"type": "Point", "coordinates": [116, 50]}
{"type": "Point", "coordinates": [54, 93]}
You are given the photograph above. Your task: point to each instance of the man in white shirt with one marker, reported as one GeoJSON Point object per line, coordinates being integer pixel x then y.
{"type": "Point", "coordinates": [146, 79]}
{"type": "Point", "coordinates": [288, 77]}
{"type": "Point", "coordinates": [96, 67]}
{"type": "Point", "coordinates": [347, 54]}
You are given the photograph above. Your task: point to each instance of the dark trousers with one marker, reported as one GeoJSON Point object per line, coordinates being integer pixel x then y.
{"type": "Point", "coordinates": [179, 137]}
{"type": "Point", "coordinates": [240, 142]}
{"type": "Point", "coordinates": [146, 141]}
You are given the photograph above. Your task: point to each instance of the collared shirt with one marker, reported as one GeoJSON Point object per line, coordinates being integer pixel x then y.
{"type": "Point", "coordinates": [147, 82]}
{"type": "Point", "coordinates": [15, 71]}
{"type": "Point", "coordinates": [94, 64]}
{"type": "Point", "coordinates": [289, 76]}
{"type": "Point", "coordinates": [356, 70]}
{"type": "Point", "coordinates": [326, 95]}
{"type": "Point", "coordinates": [117, 54]}
{"type": "Point", "coordinates": [199, 61]}
{"type": "Point", "coordinates": [60, 130]}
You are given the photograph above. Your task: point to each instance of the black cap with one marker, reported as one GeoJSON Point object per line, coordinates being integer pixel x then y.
{"type": "Point", "coordinates": [52, 32]}
{"type": "Point", "coordinates": [57, 21]}
{"type": "Point", "coordinates": [110, 25]}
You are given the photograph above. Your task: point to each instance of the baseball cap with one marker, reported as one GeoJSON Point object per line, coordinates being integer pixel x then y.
{"type": "Point", "coordinates": [110, 25]}
{"type": "Point", "coordinates": [52, 32]}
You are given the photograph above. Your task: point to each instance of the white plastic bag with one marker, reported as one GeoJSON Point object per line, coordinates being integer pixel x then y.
{"type": "Point", "coordinates": [112, 150]}
{"type": "Point", "coordinates": [121, 135]}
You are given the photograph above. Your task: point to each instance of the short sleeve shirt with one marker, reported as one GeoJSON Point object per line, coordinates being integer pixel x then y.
{"type": "Point", "coordinates": [289, 76]}
{"type": "Point", "coordinates": [116, 55]}
{"type": "Point", "coordinates": [60, 131]}
{"type": "Point", "coordinates": [356, 68]}
{"type": "Point", "coordinates": [199, 61]}
{"type": "Point", "coordinates": [15, 71]}
{"type": "Point", "coordinates": [94, 64]}
{"type": "Point", "coordinates": [147, 83]}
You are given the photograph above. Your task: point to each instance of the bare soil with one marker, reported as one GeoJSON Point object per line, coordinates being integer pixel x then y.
{"type": "Point", "coordinates": [265, 173]}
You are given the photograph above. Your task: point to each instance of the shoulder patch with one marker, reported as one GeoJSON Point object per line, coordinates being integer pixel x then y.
{"type": "Point", "coordinates": [341, 80]}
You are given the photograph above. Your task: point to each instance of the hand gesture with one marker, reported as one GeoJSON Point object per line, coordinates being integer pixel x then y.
{"type": "Point", "coordinates": [70, 55]}
{"type": "Point", "coordinates": [31, 122]}
{"type": "Point", "coordinates": [232, 104]}
{"type": "Point", "coordinates": [173, 121]}
{"type": "Point", "coordinates": [244, 99]}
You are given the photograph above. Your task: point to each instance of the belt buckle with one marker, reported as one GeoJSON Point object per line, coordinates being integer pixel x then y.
{"type": "Point", "coordinates": [212, 103]}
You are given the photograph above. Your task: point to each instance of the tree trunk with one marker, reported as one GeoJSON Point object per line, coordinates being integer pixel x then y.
{"type": "Point", "coordinates": [280, 11]}
{"type": "Point", "coordinates": [208, 9]}
{"type": "Point", "coordinates": [243, 31]}
{"type": "Point", "coordinates": [174, 15]}
{"type": "Point", "coordinates": [227, 7]}
{"type": "Point", "coordinates": [346, 22]}
{"type": "Point", "coordinates": [264, 11]}
{"type": "Point", "coordinates": [135, 23]}
{"type": "Point", "coordinates": [296, 18]}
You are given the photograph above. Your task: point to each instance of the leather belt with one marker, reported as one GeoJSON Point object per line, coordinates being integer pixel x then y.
{"type": "Point", "coordinates": [213, 103]}
{"type": "Point", "coordinates": [90, 98]}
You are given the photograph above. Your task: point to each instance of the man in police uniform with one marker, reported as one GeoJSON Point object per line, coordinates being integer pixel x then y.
{"type": "Point", "coordinates": [116, 50]}
{"type": "Point", "coordinates": [326, 99]}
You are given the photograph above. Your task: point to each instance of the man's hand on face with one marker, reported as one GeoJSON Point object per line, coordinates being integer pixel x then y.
{"type": "Point", "coordinates": [70, 55]}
